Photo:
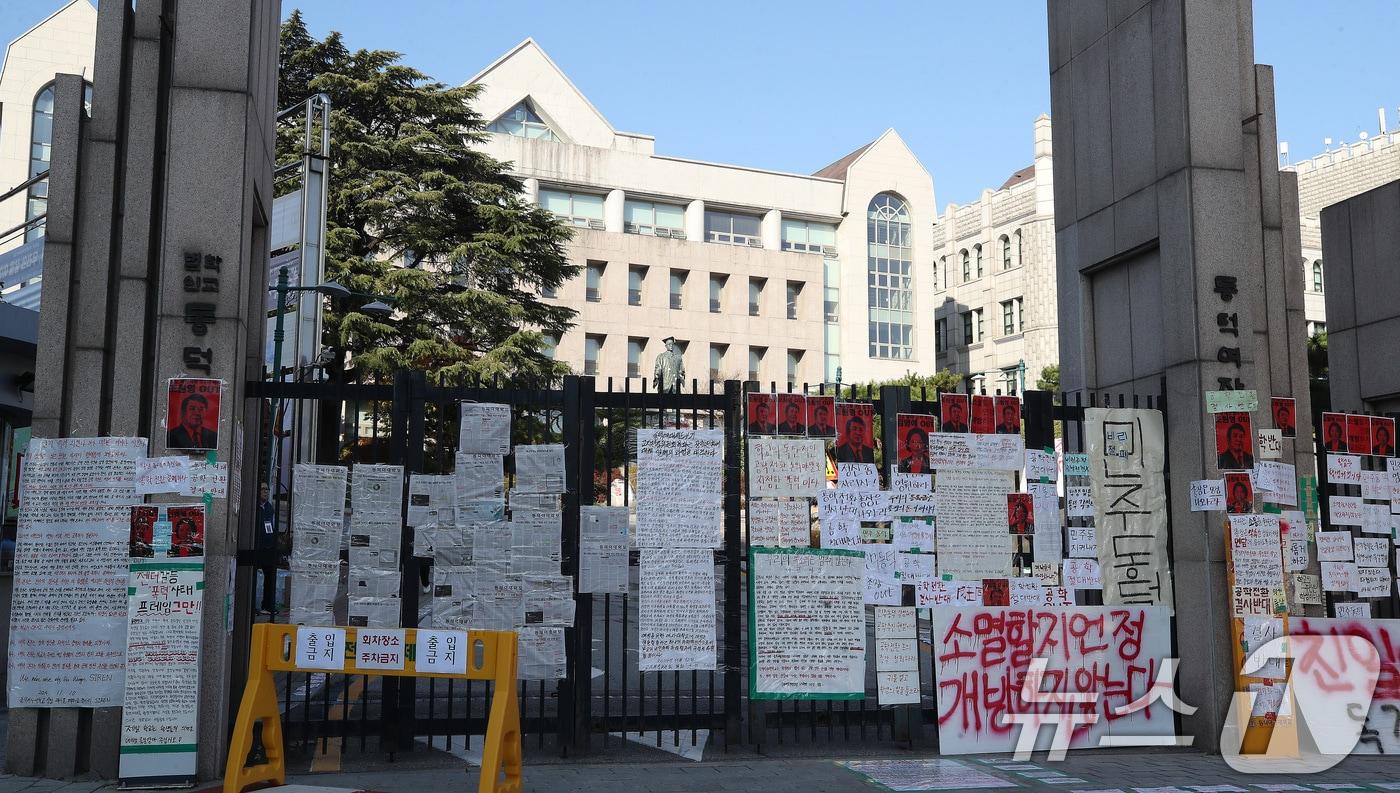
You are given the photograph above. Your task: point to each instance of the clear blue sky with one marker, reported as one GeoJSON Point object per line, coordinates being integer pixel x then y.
{"type": "Point", "coordinates": [794, 85]}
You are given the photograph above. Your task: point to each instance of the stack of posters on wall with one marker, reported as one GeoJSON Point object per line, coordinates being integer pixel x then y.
{"type": "Point", "coordinates": [318, 524]}
{"type": "Point", "coordinates": [680, 475]}
{"type": "Point", "coordinates": [471, 584]}
{"type": "Point", "coordinates": [896, 656]}
{"type": "Point", "coordinates": [165, 606]}
{"type": "Point", "coordinates": [376, 535]}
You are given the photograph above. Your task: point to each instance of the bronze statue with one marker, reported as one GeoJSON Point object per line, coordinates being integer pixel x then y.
{"type": "Point", "coordinates": [669, 372]}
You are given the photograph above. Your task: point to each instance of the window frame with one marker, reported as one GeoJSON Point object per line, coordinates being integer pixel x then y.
{"type": "Point", "coordinates": [732, 237]}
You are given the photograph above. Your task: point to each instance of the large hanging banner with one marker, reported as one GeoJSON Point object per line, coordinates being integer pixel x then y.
{"type": "Point", "coordinates": [1378, 734]}
{"type": "Point", "coordinates": [68, 618]}
{"type": "Point", "coordinates": [165, 607]}
{"type": "Point", "coordinates": [1130, 504]}
{"type": "Point", "coordinates": [806, 623]}
{"type": "Point", "coordinates": [981, 655]}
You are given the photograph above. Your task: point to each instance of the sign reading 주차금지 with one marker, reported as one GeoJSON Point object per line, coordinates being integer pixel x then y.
{"type": "Point", "coordinates": [1130, 501]}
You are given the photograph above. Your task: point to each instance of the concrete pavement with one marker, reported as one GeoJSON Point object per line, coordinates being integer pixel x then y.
{"type": "Point", "coordinates": [1163, 771]}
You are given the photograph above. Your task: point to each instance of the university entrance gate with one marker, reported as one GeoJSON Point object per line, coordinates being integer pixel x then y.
{"type": "Point", "coordinates": [603, 703]}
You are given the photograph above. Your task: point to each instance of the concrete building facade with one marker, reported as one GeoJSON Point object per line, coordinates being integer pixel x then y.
{"type": "Point", "coordinates": [758, 274]}
{"type": "Point", "coordinates": [63, 42]}
{"type": "Point", "coordinates": [1328, 178]}
{"type": "Point", "coordinates": [995, 316]}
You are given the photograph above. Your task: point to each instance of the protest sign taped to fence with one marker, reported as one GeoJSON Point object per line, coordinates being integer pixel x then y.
{"type": "Point", "coordinates": [676, 615]}
{"type": "Point", "coordinates": [786, 467]}
{"type": "Point", "coordinates": [680, 477]}
{"type": "Point", "coordinates": [1126, 456]}
{"type": "Point", "coordinates": [973, 541]}
{"type": "Point", "coordinates": [1379, 732]}
{"type": "Point", "coordinates": [806, 624]}
{"type": "Point", "coordinates": [1111, 652]}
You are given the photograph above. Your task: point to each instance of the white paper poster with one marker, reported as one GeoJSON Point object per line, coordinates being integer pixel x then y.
{"type": "Point", "coordinates": [539, 468]}
{"type": "Point", "coordinates": [1208, 495]}
{"type": "Point", "coordinates": [807, 628]}
{"type": "Point", "coordinates": [1379, 736]}
{"type": "Point", "coordinates": [160, 709]}
{"type": "Point", "coordinates": [443, 652]}
{"type": "Point", "coordinates": [1126, 460]}
{"type": "Point", "coordinates": [780, 524]}
{"type": "Point", "coordinates": [431, 499]}
{"type": "Point", "coordinates": [973, 539]}
{"type": "Point", "coordinates": [162, 475]}
{"type": "Point", "coordinates": [320, 648]}
{"type": "Point", "coordinates": [70, 575]}
{"type": "Point", "coordinates": [680, 478]}
{"type": "Point", "coordinates": [485, 429]}
{"type": "Point", "coordinates": [785, 467]}
{"type": "Point", "coordinates": [676, 615]}
{"type": "Point", "coordinates": [976, 450]}
{"type": "Point", "coordinates": [1079, 501]}
{"type": "Point", "coordinates": [603, 557]}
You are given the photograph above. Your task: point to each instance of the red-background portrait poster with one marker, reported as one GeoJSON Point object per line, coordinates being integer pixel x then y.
{"type": "Point", "coordinates": [192, 414]}
{"type": "Point", "coordinates": [952, 410]}
{"type": "Point", "coordinates": [855, 432]}
{"type": "Point", "coordinates": [792, 414]}
{"type": "Point", "coordinates": [913, 432]}
{"type": "Point", "coordinates": [1285, 418]}
{"type": "Point", "coordinates": [1334, 432]}
{"type": "Point", "coordinates": [1008, 415]}
{"type": "Point", "coordinates": [821, 417]}
{"type": "Point", "coordinates": [761, 408]}
{"type": "Point", "coordinates": [1358, 434]}
{"type": "Point", "coordinates": [983, 414]}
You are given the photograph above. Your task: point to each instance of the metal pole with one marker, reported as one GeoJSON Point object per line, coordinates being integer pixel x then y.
{"type": "Point", "coordinates": [278, 334]}
{"type": "Point", "coordinates": [1021, 370]}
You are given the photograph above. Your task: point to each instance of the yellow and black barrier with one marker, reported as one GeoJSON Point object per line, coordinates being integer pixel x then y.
{"type": "Point", "coordinates": [489, 655]}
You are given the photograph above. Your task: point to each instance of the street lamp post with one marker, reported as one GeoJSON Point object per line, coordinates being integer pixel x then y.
{"type": "Point", "coordinates": [282, 288]}
{"type": "Point", "coordinates": [1021, 370]}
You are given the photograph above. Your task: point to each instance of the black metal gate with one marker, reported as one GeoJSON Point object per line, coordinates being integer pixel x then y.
{"type": "Point", "coordinates": [604, 700]}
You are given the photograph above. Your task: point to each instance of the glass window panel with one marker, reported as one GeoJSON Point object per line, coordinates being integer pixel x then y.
{"type": "Point", "coordinates": [588, 206]}
{"type": "Point", "coordinates": [744, 224]}
{"type": "Point", "coordinates": [670, 216]}
{"type": "Point", "coordinates": [639, 212]}
{"type": "Point", "coordinates": [556, 201]}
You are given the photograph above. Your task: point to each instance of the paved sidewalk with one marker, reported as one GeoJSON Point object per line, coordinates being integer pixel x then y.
{"type": "Point", "coordinates": [1139, 772]}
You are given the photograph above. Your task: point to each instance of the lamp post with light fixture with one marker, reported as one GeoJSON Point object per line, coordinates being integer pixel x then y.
{"type": "Point", "coordinates": [330, 289]}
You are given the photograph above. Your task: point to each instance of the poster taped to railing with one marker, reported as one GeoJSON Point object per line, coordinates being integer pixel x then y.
{"type": "Point", "coordinates": [806, 624]}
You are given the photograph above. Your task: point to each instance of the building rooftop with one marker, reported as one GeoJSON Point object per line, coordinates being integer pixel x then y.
{"type": "Point", "coordinates": [837, 170]}
{"type": "Point", "coordinates": [1024, 175]}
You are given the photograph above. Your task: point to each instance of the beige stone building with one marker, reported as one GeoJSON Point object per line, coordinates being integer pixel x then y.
{"type": "Point", "coordinates": [62, 42]}
{"type": "Point", "coordinates": [1330, 177]}
{"type": "Point", "coordinates": [759, 274]}
{"type": "Point", "coordinates": [994, 286]}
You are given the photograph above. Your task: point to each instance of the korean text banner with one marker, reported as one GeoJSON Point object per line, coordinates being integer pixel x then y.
{"type": "Point", "coordinates": [981, 655]}
{"type": "Point", "coordinates": [1130, 504]}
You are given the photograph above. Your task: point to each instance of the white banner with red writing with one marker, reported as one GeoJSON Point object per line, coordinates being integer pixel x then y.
{"type": "Point", "coordinates": [1109, 656]}
{"type": "Point", "coordinates": [1327, 665]}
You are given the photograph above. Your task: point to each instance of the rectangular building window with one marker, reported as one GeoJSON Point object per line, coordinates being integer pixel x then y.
{"type": "Point", "coordinates": [729, 228]}
{"type": "Point", "coordinates": [756, 361]}
{"type": "Point", "coordinates": [678, 288]}
{"type": "Point", "coordinates": [717, 283]}
{"type": "Point", "coordinates": [717, 353]}
{"type": "Point", "coordinates": [1010, 378]}
{"type": "Point", "coordinates": [548, 291]}
{"type": "Point", "coordinates": [966, 266]}
{"type": "Point", "coordinates": [794, 360]}
{"type": "Point", "coordinates": [634, 356]}
{"type": "Point", "coordinates": [978, 250]}
{"type": "Point", "coordinates": [636, 277]}
{"type": "Point", "coordinates": [576, 209]}
{"type": "Point", "coordinates": [549, 346]}
{"type": "Point", "coordinates": [977, 315]}
{"type": "Point", "coordinates": [594, 284]}
{"type": "Point", "coordinates": [940, 334]}
{"type": "Point", "coordinates": [756, 295]}
{"type": "Point", "coordinates": [1008, 317]}
{"type": "Point", "coordinates": [832, 370]}
{"type": "Point", "coordinates": [592, 348]}
{"type": "Point", "coordinates": [649, 217]}
{"type": "Point", "coordinates": [1020, 315]}
{"type": "Point", "coordinates": [967, 327]}
{"type": "Point", "coordinates": [794, 294]}
{"type": "Point", "coordinates": [806, 236]}
{"type": "Point", "coordinates": [1317, 276]}
{"type": "Point", "coordinates": [831, 304]}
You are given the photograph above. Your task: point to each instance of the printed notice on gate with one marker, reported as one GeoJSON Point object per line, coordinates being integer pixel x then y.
{"type": "Point", "coordinates": [807, 627]}
{"type": "Point", "coordinates": [973, 541]}
{"type": "Point", "coordinates": [680, 478]}
{"type": "Point", "coordinates": [676, 617]}
{"type": "Point", "coordinates": [1130, 504]}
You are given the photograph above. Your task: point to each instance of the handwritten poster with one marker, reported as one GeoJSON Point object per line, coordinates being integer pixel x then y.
{"type": "Point", "coordinates": [786, 467]}
{"type": "Point", "coordinates": [807, 624]}
{"type": "Point", "coordinates": [68, 616]}
{"type": "Point", "coordinates": [1079, 501]}
{"type": "Point", "coordinates": [914, 534]}
{"type": "Point", "coordinates": [1254, 551]}
{"type": "Point", "coordinates": [160, 709]}
{"type": "Point", "coordinates": [896, 656]}
{"type": "Point", "coordinates": [971, 450]}
{"type": "Point", "coordinates": [1126, 460]}
{"type": "Point", "coordinates": [1344, 469]}
{"type": "Point", "coordinates": [676, 616]}
{"type": "Point", "coordinates": [1110, 651]}
{"type": "Point", "coordinates": [162, 475]}
{"type": "Point", "coordinates": [973, 541]}
{"type": "Point", "coordinates": [680, 478]}
{"type": "Point", "coordinates": [1082, 574]}
{"type": "Point", "coordinates": [1307, 589]}
{"type": "Point", "coordinates": [780, 524]}
{"type": "Point", "coordinates": [1208, 495]}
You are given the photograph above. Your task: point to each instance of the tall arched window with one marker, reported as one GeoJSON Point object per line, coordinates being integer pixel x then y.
{"type": "Point", "coordinates": [890, 251]}
{"type": "Point", "coordinates": [41, 154]}
{"type": "Point", "coordinates": [967, 266]}
{"type": "Point", "coordinates": [977, 250]}
{"type": "Point", "coordinates": [1005, 252]}
{"type": "Point", "coordinates": [1017, 236]}
{"type": "Point", "coordinates": [1317, 275]}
